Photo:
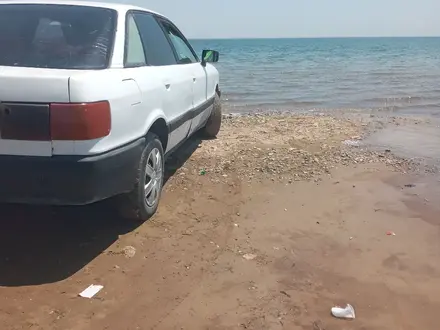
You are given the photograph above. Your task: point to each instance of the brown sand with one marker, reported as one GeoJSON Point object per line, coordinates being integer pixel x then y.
{"type": "Point", "coordinates": [314, 214]}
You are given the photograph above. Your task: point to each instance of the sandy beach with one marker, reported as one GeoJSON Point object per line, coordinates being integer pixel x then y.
{"type": "Point", "coordinates": [269, 226]}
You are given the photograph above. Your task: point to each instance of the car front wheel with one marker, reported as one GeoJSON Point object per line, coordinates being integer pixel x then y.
{"type": "Point", "coordinates": [142, 202]}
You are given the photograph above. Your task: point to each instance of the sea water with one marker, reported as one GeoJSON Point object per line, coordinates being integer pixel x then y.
{"type": "Point", "coordinates": [397, 74]}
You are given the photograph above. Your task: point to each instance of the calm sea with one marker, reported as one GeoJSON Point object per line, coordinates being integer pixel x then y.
{"type": "Point", "coordinates": [399, 74]}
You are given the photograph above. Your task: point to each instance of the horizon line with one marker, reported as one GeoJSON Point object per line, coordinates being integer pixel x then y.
{"type": "Point", "coordinates": [323, 37]}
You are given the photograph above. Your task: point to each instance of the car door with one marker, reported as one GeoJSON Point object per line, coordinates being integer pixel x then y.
{"type": "Point", "coordinates": [176, 80]}
{"type": "Point", "coordinates": [187, 58]}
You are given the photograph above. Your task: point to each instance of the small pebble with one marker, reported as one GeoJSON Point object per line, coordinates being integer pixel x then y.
{"type": "Point", "coordinates": [249, 256]}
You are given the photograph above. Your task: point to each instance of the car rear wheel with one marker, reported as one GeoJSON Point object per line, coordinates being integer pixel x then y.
{"type": "Point", "coordinates": [214, 122]}
{"type": "Point", "coordinates": [142, 202]}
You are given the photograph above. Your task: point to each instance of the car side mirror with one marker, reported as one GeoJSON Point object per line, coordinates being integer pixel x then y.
{"type": "Point", "coordinates": [209, 56]}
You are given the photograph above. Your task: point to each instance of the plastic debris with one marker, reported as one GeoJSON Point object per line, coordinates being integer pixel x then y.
{"type": "Point", "coordinates": [250, 256]}
{"type": "Point", "coordinates": [91, 291]}
{"type": "Point", "coordinates": [344, 313]}
{"type": "Point", "coordinates": [202, 171]}
{"type": "Point", "coordinates": [391, 233]}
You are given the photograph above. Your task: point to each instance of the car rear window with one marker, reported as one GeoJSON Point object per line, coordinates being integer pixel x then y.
{"type": "Point", "coordinates": [56, 36]}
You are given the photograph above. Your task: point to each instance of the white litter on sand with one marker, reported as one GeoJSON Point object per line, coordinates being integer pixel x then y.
{"type": "Point", "coordinates": [91, 291]}
{"type": "Point", "coordinates": [344, 313]}
{"type": "Point", "coordinates": [250, 256]}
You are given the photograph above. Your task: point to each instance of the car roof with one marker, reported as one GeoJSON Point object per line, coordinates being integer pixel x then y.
{"type": "Point", "coordinates": [115, 6]}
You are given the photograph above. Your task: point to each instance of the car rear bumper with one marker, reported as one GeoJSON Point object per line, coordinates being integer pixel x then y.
{"type": "Point", "coordinates": [69, 180]}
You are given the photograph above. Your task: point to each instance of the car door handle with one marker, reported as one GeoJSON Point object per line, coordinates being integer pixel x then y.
{"type": "Point", "coordinates": [167, 86]}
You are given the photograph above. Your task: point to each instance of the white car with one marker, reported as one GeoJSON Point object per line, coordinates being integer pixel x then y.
{"type": "Point", "coordinates": [93, 97]}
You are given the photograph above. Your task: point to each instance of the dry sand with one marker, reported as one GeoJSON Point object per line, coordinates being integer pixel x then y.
{"type": "Point", "coordinates": [310, 214]}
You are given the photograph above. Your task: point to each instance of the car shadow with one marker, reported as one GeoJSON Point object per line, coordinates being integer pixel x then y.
{"type": "Point", "coordinates": [179, 158]}
{"type": "Point", "coordinates": [42, 244]}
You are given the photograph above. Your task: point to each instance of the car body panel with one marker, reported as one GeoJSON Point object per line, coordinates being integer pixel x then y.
{"type": "Point", "coordinates": [181, 94]}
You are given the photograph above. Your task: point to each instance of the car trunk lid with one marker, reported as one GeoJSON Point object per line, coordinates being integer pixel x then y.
{"type": "Point", "coordinates": [44, 44]}
{"type": "Point", "coordinates": [25, 99]}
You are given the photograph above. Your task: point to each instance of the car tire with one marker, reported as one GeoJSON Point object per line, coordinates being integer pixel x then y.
{"type": "Point", "coordinates": [214, 122]}
{"type": "Point", "coordinates": [142, 202]}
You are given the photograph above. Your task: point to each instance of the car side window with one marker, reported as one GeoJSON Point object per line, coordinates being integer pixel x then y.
{"type": "Point", "coordinates": [185, 54]}
{"type": "Point", "coordinates": [157, 47]}
{"type": "Point", "coordinates": [134, 50]}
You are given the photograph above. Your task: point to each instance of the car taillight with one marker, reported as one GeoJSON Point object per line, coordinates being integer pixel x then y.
{"type": "Point", "coordinates": [79, 121]}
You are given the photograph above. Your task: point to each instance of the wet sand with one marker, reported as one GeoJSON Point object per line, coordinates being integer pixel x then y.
{"type": "Point", "coordinates": [312, 212]}
{"type": "Point", "coordinates": [411, 140]}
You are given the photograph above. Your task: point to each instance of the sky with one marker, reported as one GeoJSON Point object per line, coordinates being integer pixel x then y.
{"type": "Point", "coordinates": [299, 18]}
